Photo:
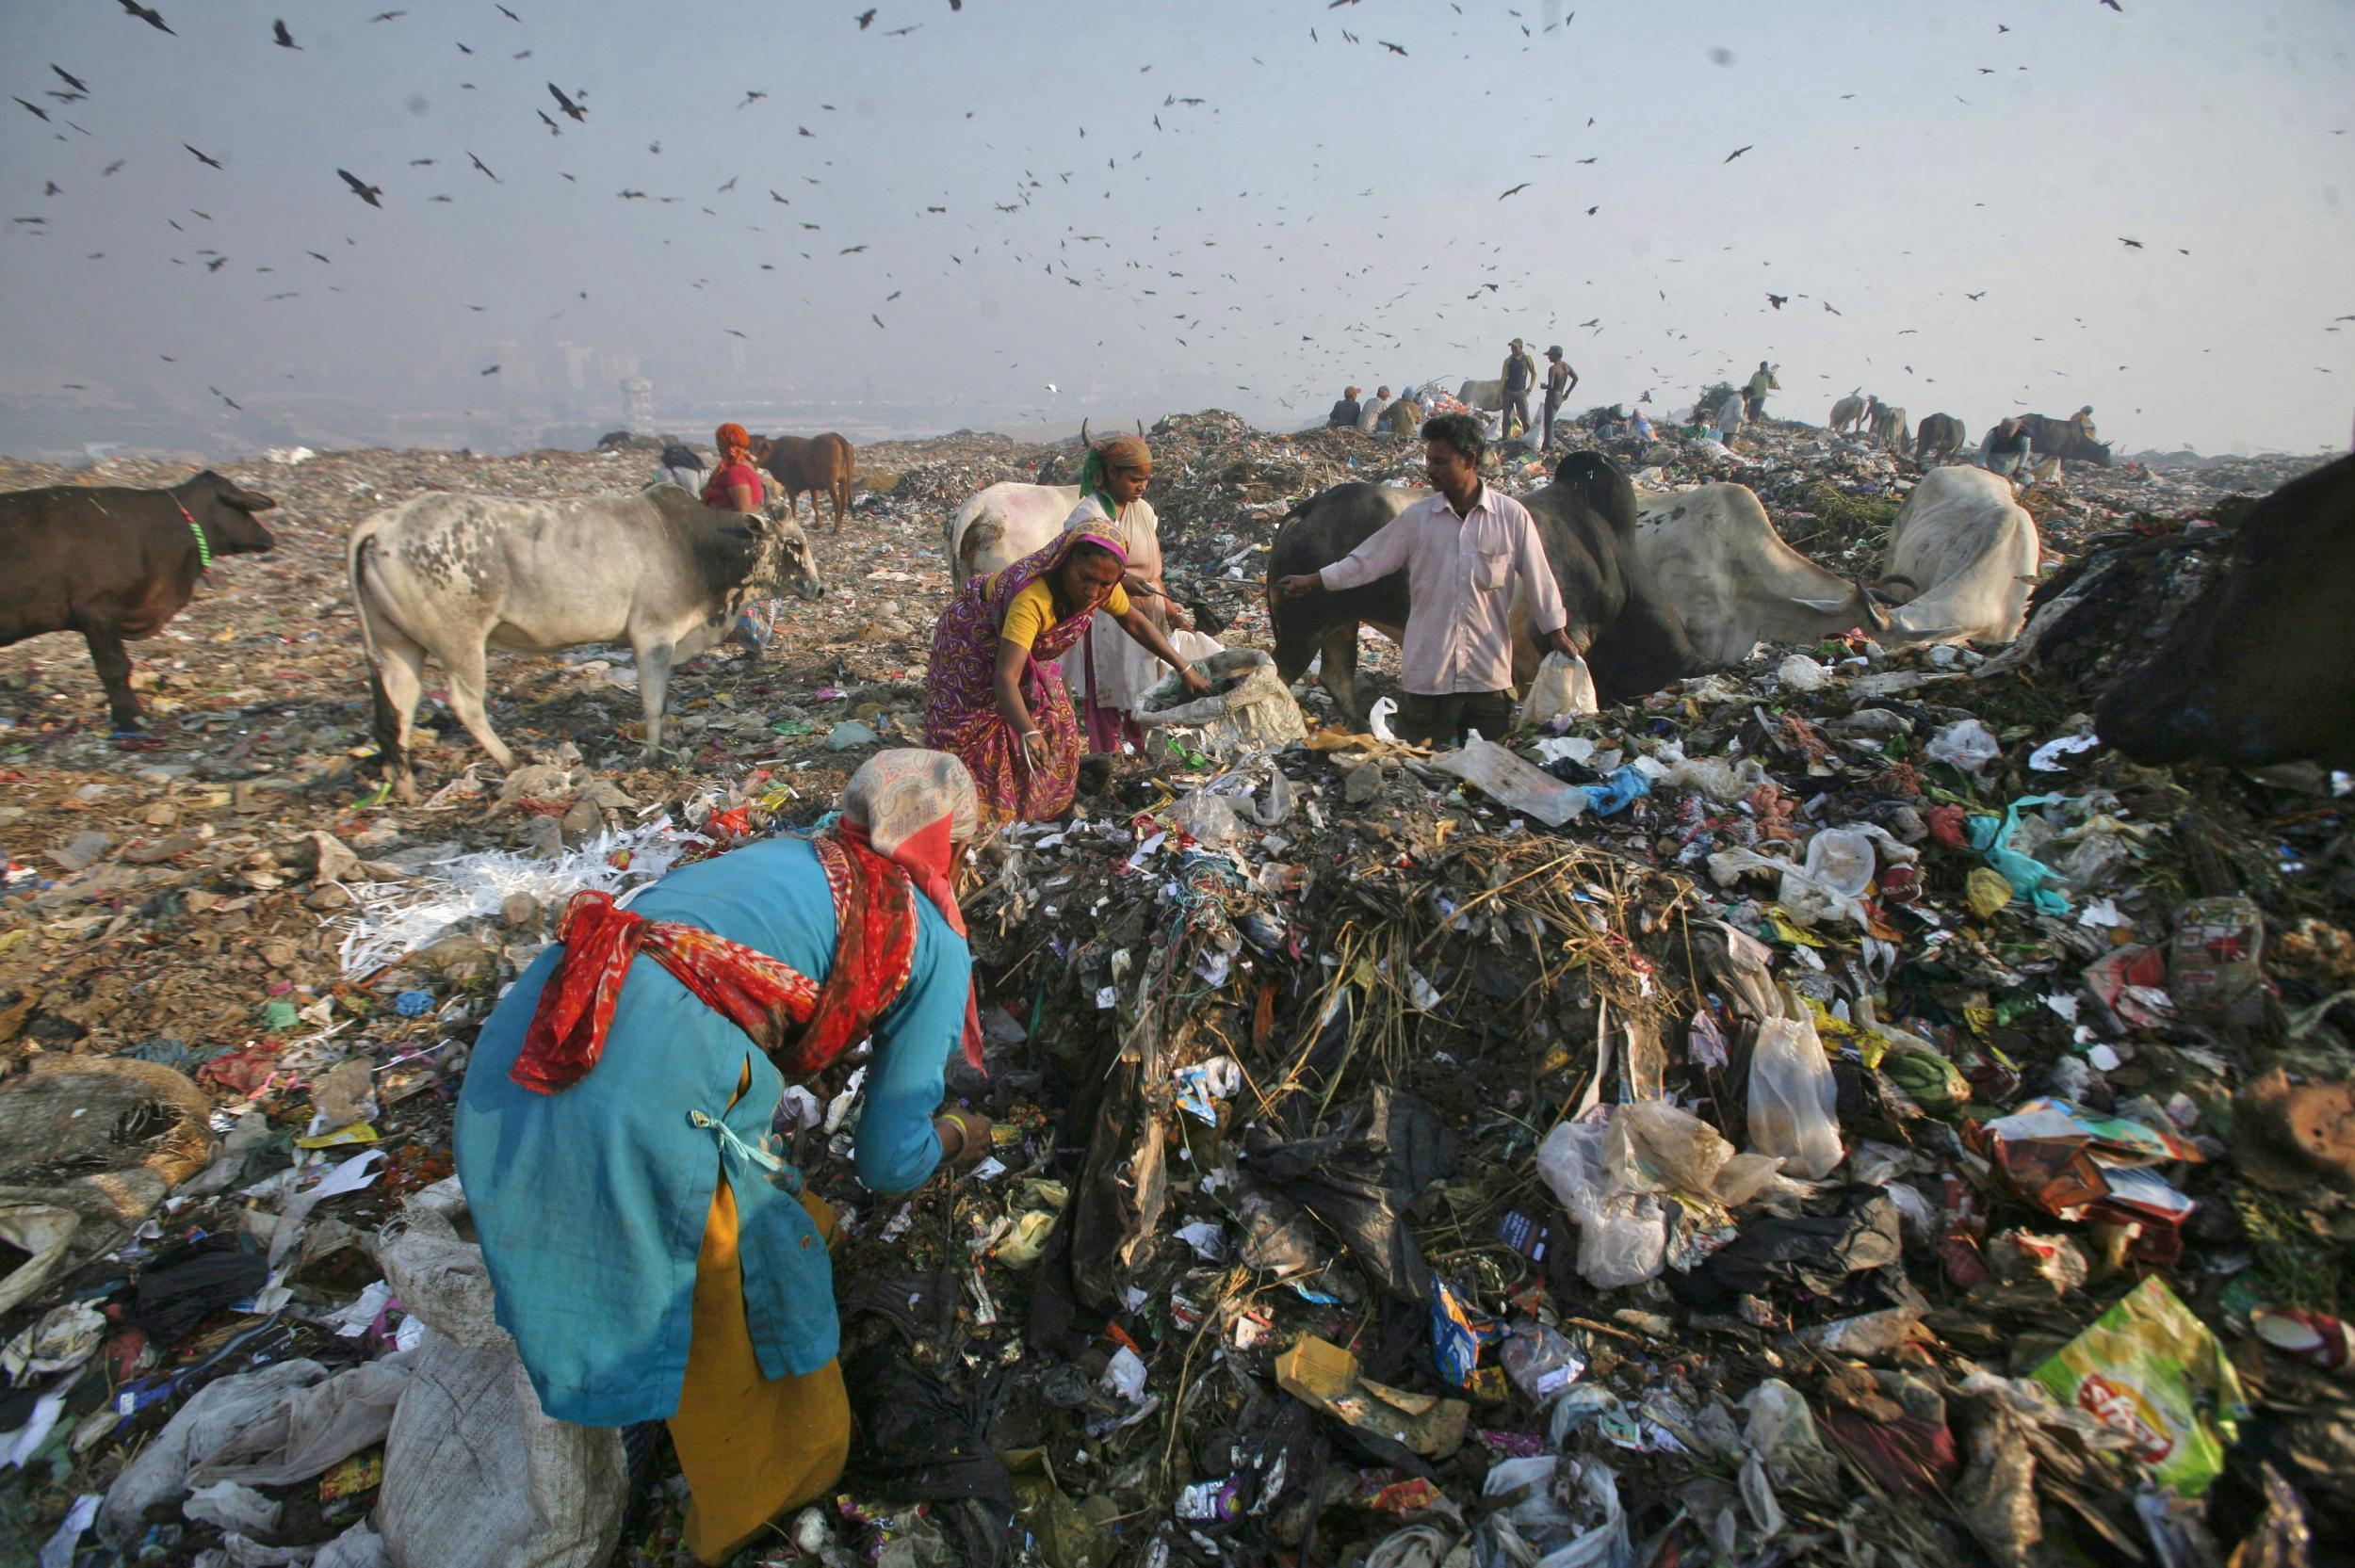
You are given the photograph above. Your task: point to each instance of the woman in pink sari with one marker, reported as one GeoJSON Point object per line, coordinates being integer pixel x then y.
{"type": "Point", "coordinates": [989, 701]}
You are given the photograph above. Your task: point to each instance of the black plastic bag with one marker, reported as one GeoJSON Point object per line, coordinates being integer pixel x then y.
{"type": "Point", "coordinates": [1814, 1253]}
{"type": "Point", "coordinates": [913, 1440]}
{"type": "Point", "coordinates": [186, 1283]}
{"type": "Point", "coordinates": [1358, 1179]}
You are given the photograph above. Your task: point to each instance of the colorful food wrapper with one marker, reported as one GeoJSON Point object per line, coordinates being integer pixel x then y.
{"type": "Point", "coordinates": [1456, 1334]}
{"type": "Point", "coordinates": [2152, 1370]}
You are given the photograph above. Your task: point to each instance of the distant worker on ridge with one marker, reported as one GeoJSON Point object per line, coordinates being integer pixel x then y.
{"type": "Point", "coordinates": [1369, 411]}
{"type": "Point", "coordinates": [1344, 414]}
{"type": "Point", "coordinates": [1754, 395]}
{"type": "Point", "coordinates": [1561, 380]}
{"type": "Point", "coordinates": [1521, 374]}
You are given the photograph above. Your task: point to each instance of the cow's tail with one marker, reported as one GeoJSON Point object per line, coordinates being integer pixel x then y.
{"type": "Point", "coordinates": [384, 723]}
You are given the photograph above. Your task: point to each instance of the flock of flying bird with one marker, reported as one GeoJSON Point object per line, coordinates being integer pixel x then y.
{"type": "Point", "coordinates": [573, 107]}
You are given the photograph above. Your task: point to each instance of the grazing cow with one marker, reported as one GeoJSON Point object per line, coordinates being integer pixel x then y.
{"type": "Point", "coordinates": [1888, 426]}
{"type": "Point", "coordinates": [1971, 551]}
{"type": "Point", "coordinates": [2059, 438]}
{"type": "Point", "coordinates": [1003, 523]}
{"type": "Point", "coordinates": [812, 466]}
{"type": "Point", "coordinates": [1486, 395]}
{"type": "Point", "coordinates": [112, 562]}
{"type": "Point", "coordinates": [1587, 521]}
{"type": "Point", "coordinates": [1939, 437]}
{"type": "Point", "coordinates": [1733, 582]}
{"type": "Point", "coordinates": [2261, 667]}
{"type": "Point", "coordinates": [1847, 413]}
{"type": "Point", "coordinates": [453, 575]}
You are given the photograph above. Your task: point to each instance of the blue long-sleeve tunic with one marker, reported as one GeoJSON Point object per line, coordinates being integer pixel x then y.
{"type": "Point", "coordinates": [591, 1203]}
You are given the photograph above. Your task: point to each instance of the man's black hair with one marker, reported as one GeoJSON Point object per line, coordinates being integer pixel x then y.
{"type": "Point", "coordinates": [1459, 430]}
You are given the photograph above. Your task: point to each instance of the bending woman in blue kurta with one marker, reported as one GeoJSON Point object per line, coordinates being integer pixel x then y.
{"type": "Point", "coordinates": [649, 1252]}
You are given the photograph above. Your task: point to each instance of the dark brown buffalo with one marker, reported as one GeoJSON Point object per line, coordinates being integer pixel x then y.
{"type": "Point", "coordinates": [1587, 521]}
{"type": "Point", "coordinates": [810, 466]}
{"type": "Point", "coordinates": [2261, 667]}
{"type": "Point", "coordinates": [114, 563]}
{"type": "Point", "coordinates": [2059, 438]}
{"type": "Point", "coordinates": [1938, 436]}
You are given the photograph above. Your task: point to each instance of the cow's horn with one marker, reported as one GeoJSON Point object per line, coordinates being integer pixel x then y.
{"type": "Point", "coordinates": [1140, 428]}
{"type": "Point", "coordinates": [1085, 442]}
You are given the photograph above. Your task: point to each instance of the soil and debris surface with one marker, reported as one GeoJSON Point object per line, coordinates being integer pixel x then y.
{"type": "Point", "coordinates": [1879, 1125]}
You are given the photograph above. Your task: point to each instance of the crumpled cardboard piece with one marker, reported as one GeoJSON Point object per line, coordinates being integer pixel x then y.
{"type": "Point", "coordinates": [1325, 1377]}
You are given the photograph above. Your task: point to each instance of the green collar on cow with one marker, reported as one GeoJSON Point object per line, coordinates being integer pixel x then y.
{"type": "Point", "coordinates": [204, 546]}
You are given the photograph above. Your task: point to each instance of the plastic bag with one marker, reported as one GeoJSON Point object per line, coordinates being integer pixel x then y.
{"type": "Point", "coordinates": [476, 1474]}
{"type": "Point", "coordinates": [1249, 706]}
{"type": "Point", "coordinates": [1622, 1231]}
{"type": "Point", "coordinates": [1793, 1095]}
{"type": "Point", "coordinates": [212, 1418]}
{"type": "Point", "coordinates": [1512, 782]}
{"type": "Point", "coordinates": [1966, 744]}
{"type": "Point", "coordinates": [1562, 688]}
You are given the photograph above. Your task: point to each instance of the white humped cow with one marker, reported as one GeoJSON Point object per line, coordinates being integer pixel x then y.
{"type": "Point", "coordinates": [1733, 580]}
{"type": "Point", "coordinates": [455, 575]}
{"type": "Point", "coordinates": [1973, 553]}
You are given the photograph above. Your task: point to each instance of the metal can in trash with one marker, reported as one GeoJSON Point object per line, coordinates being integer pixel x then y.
{"type": "Point", "coordinates": [1210, 1502]}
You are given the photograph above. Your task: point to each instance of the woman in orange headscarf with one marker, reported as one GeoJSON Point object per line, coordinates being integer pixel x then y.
{"type": "Point", "coordinates": [735, 484]}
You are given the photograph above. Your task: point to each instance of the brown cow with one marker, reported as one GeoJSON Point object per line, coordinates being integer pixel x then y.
{"type": "Point", "coordinates": [812, 465]}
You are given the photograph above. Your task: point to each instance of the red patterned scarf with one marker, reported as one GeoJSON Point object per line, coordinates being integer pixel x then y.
{"type": "Point", "coordinates": [803, 1026]}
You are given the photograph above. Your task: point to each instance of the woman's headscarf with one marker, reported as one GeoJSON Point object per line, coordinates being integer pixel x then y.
{"type": "Point", "coordinates": [734, 443]}
{"type": "Point", "coordinates": [1125, 451]}
{"type": "Point", "coordinates": [912, 807]}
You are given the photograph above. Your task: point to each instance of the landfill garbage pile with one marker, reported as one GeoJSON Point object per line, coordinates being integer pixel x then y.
{"type": "Point", "coordinates": [1834, 1107]}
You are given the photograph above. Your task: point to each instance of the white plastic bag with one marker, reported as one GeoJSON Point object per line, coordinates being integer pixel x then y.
{"type": "Point", "coordinates": [1622, 1229]}
{"type": "Point", "coordinates": [1966, 743]}
{"type": "Point", "coordinates": [1563, 686]}
{"type": "Point", "coordinates": [1249, 708]}
{"type": "Point", "coordinates": [476, 1474]}
{"type": "Point", "coordinates": [1793, 1095]}
{"type": "Point", "coordinates": [211, 1419]}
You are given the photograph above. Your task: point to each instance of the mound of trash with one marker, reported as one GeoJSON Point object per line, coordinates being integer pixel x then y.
{"type": "Point", "coordinates": [1834, 1110]}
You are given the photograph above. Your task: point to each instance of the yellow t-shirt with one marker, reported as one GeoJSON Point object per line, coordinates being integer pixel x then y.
{"type": "Point", "coordinates": [1032, 611]}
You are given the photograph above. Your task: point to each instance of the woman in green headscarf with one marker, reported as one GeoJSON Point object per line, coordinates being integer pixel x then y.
{"type": "Point", "coordinates": [1110, 671]}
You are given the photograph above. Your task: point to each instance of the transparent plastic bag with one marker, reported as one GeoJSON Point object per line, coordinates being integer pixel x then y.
{"type": "Point", "coordinates": [1562, 688]}
{"type": "Point", "coordinates": [1793, 1095]}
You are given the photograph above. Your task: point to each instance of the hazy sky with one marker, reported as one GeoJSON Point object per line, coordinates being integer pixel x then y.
{"type": "Point", "coordinates": [1329, 211]}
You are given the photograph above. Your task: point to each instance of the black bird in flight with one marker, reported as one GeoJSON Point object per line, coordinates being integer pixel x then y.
{"type": "Point", "coordinates": [216, 264]}
{"type": "Point", "coordinates": [866, 18]}
{"type": "Point", "coordinates": [462, 49]}
{"type": "Point", "coordinates": [1398, 49]}
{"type": "Point", "coordinates": [147, 15]}
{"type": "Point", "coordinates": [902, 32]}
{"type": "Point", "coordinates": [567, 105]}
{"type": "Point", "coordinates": [283, 39]}
{"type": "Point", "coordinates": [1738, 152]}
{"type": "Point", "coordinates": [209, 163]}
{"type": "Point", "coordinates": [554, 129]}
{"type": "Point", "coordinates": [1981, 295]}
{"type": "Point", "coordinates": [114, 166]}
{"type": "Point", "coordinates": [71, 80]}
{"type": "Point", "coordinates": [226, 398]}
{"type": "Point", "coordinates": [315, 256]}
{"type": "Point", "coordinates": [493, 371]}
{"type": "Point", "coordinates": [1515, 190]}
{"type": "Point", "coordinates": [43, 114]}
{"type": "Point", "coordinates": [505, 12]}
{"type": "Point", "coordinates": [1778, 300]}
{"type": "Point", "coordinates": [388, 16]}
{"type": "Point", "coordinates": [484, 166]}
{"type": "Point", "coordinates": [2111, 3]}
{"type": "Point", "coordinates": [752, 96]}
{"type": "Point", "coordinates": [2130, 244]}
{"type": "Point", "coordinates": [361, 188]}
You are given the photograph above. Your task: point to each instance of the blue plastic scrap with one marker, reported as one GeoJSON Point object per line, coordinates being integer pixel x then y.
{"type": "Point", "coordinates": [1992, 837]}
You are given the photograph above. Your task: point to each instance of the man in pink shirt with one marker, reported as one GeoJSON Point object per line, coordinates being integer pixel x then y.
{"type": "Point", "coordinates": [1465, 550]}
